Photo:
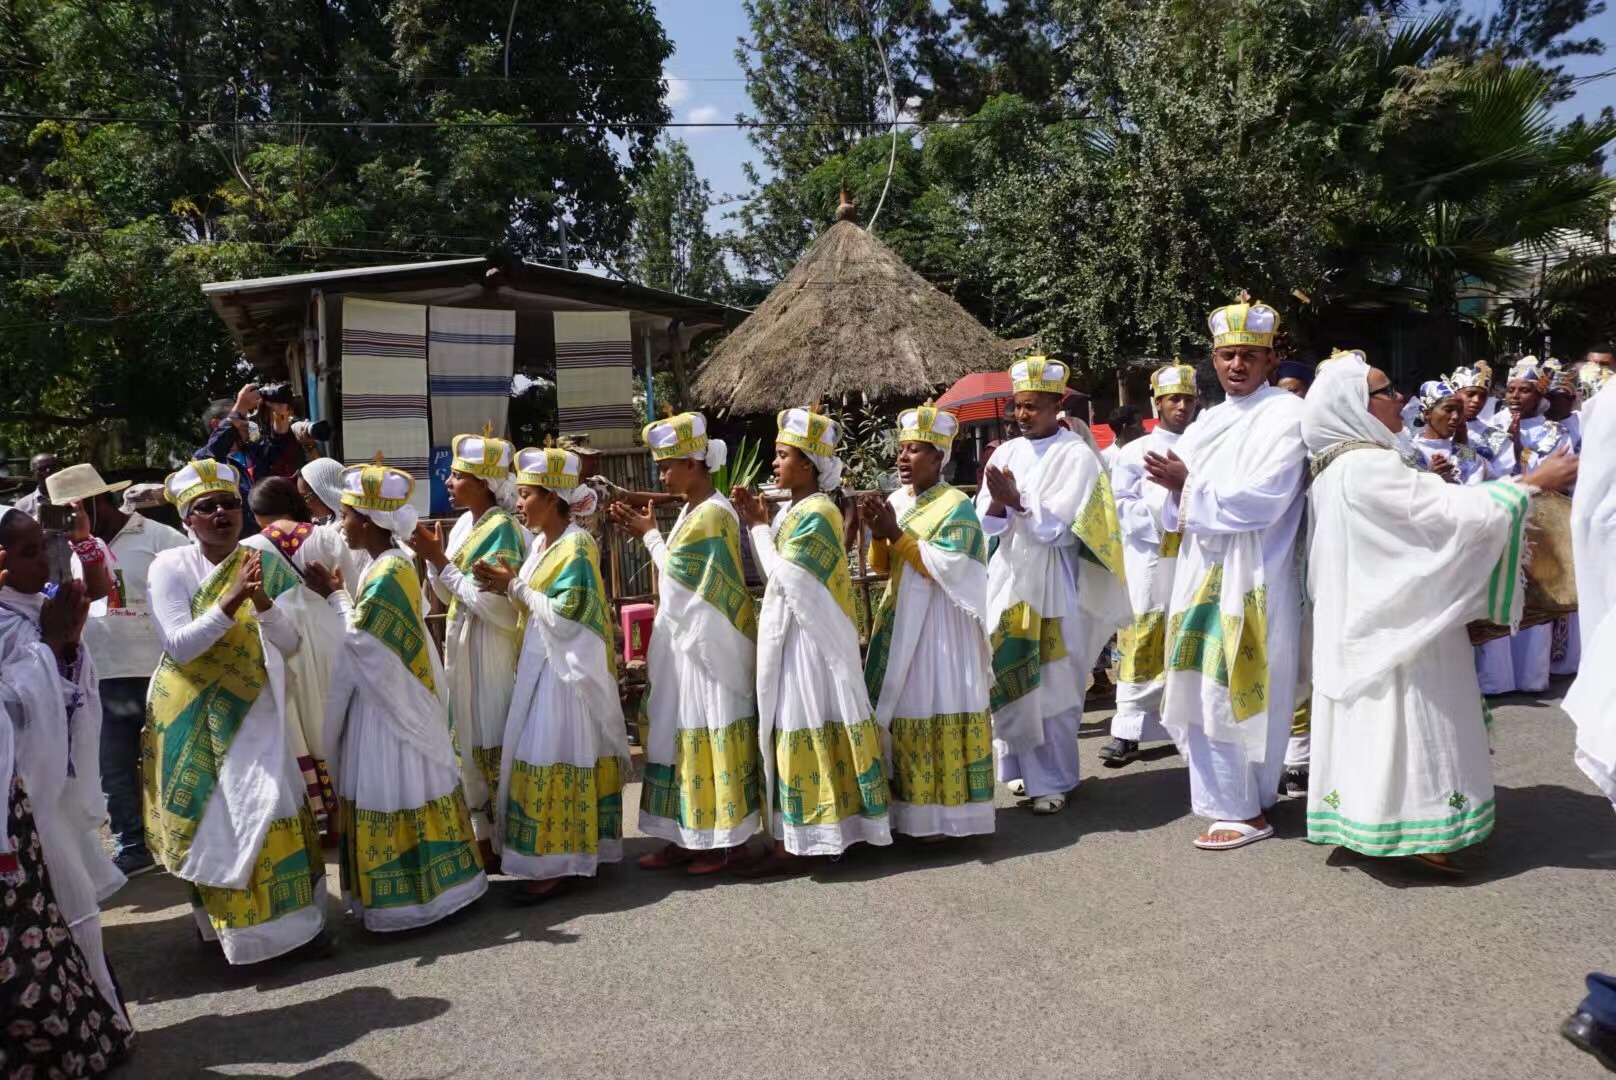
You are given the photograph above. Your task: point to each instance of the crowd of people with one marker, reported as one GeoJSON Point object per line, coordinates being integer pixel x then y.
{"type": "Point", "coordinates": [1289, 576]}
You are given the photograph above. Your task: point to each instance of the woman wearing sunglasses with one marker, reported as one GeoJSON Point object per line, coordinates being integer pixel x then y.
{"type": "Point", "coordinates": [225, 805]}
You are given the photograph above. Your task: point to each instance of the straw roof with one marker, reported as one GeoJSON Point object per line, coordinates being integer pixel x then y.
{"type": "Point", "coordinates": [851, 318]}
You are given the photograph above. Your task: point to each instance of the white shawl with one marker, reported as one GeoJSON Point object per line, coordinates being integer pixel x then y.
{"type": "Point", "coordinates": [1591, 701]}
{"type": "Point", "coordinates": [1397, 556]}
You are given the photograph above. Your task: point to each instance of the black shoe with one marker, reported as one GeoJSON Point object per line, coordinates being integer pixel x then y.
{"type": "Point", "coordinates": [1118, 752]}
{"type": "Point", "coordinates": [1591, 1037]}
{"type": "Point", "coordinates": [134, 862]}
{"type": "Point", "coordinates": [1295, 783]}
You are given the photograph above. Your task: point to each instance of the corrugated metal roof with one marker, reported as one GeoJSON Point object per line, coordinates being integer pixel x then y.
{"type": "Point", "coordinates": [321, 277]}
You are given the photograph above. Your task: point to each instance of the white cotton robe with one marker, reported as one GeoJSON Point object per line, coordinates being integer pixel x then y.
{"type": "Point", "coordinates": [701, 701]}
{"type": "Point", "coordinates": [480, 650]}
{"type": "Point", "coordinates": [1038, 563]}
{"type": "Point", "coordinates": [564, 713]}
{"type": "Point", "coordinates": [1399, 562]}
{"type": "Point", "coordinates": [1239, 512]}
{"type": "Point", "coordinates": [1150, 554]}
{"type": "Point", "coordinates": [259, 781]}
{"type": "Point", "coordinates": [935, 686]}
{"type": "Point", "coordinates": [1591, 702]}
{"type": "Point", "coordinates": [390, 753]}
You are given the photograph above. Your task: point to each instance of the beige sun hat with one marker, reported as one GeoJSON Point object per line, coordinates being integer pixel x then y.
{"type": "Point", "coordinates": [79, 482]}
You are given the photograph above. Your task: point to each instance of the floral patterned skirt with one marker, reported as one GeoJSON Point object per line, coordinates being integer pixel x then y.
{"type": "Point", "coordinates": [56, 1022]}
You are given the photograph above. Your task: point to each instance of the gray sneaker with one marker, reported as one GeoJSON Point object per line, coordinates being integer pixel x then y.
{"type": "Point", "coordinates": [134, 862]}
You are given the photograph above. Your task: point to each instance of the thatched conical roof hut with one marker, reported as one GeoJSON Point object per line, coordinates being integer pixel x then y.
{"type": "Point", "coordinates": [851, 318]}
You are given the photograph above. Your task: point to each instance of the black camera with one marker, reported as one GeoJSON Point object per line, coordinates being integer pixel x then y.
{"type": "Point", "coordinates": [277, 393]}
{"type": "Point", "coordinates": [319, 430]}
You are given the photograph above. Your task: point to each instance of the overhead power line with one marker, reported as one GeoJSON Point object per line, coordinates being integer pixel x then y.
{"type": "Point", "coordinates": [656, 125]}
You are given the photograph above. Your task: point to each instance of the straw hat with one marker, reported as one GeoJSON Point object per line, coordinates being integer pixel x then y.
{"type": "Point", "coordinates": [79, 482]}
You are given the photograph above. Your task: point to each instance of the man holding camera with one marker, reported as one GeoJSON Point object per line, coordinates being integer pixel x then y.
{"type": "Point", "coordinates": [258, 433]}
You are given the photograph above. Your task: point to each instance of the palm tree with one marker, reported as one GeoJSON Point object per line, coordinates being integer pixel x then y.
{"type": "Point", "coordinates": [1471, 186]}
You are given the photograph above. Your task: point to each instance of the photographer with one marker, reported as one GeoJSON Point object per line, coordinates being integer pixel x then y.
{"type": "Point", "coordinates": [276, 449]}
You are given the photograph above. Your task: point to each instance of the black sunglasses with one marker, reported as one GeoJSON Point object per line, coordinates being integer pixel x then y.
{"type": "Point", "coordinates": [216, 506]}
{"type": "Point", "coordinates": [1388, 390]}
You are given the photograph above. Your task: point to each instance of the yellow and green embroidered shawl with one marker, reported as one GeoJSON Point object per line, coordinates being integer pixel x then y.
{"type": "Point", "coordinates": [810, 536]}
{"type": "Point", "coordinates": [494, 538]}
{"type": "Point", "coordinates": [944, 517]}
{"type": "Point", "coordinates": [389, 609]}
{"type": "Point", "coordinates": [569, 574]}
{"type": "Point", "coordinates": [194, 711]}
{"type": "Point", "coordinates": [704, 555]}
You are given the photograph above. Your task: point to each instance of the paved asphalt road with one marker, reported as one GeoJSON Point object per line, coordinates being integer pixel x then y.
{"type": "Point", "coordinates": [1094, 944]}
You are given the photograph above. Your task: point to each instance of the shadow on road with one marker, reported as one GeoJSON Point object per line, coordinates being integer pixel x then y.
{"type": "Point", "coordinates": [1539, 827]}
{"type": "Point", "coordinates": [288, 1035]}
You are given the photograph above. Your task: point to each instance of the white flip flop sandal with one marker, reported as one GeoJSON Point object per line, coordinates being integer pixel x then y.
{"type": "Point", "coordinates": [1247, 834]}
{"type": "Point", "coordinates": [1049, 804]}
{"type": "Point", "coordinates": [1018, 788]}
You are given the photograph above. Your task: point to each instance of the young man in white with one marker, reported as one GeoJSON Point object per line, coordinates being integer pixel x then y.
{"type": "Point", "coordinates": [1235, 482]}
{"type": "Point", "coordinates": [1054, 584]}
{"type": "Point", "coordinates": [1150, 554]}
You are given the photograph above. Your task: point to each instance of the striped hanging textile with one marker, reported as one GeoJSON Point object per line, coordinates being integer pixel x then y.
{"type": "Point", "coordinates": [384, 388]}
{"type": "Point", "coordinates": [595, 377]}
{"type": "Point", "coordinates": [471, 355]}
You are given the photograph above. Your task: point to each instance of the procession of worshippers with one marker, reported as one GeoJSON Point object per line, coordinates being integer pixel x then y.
{"type": "Point", "coordinates": [1292, 578]}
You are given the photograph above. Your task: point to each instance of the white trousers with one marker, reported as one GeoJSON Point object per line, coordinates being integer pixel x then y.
{"type": "Point", "coordinates": [1050, 768]}
{"type": "Point", "coordinates": [1225, 784]}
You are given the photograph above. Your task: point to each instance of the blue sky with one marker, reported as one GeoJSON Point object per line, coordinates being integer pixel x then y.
{"type": "Point", "coordinates": [706, 84]}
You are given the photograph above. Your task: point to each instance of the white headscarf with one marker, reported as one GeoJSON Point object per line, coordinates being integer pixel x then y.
{"type": "Point", "coordinates": [401, 522]}
{"type": "Point", "coordinates": [1337, 408]}
{"type": "Point", "coordinates": [830, 470]}
{"type": "Point", "coordinates": [324, 477]}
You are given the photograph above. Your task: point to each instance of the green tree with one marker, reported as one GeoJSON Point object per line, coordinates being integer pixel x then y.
{"type": "Point", "coordinates": [670, 246]}
{"type": "Point", "coordinates": [286, 135]}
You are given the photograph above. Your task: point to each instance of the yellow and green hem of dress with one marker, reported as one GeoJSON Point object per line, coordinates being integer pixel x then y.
{"type": "Point", "coordinates": [561, 809]}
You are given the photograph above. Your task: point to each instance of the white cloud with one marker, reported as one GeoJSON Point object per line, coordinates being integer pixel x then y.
{"type": "Point", "coordinates": [705, 114]}
{"type": "Point", "coordinates": [678, 91]}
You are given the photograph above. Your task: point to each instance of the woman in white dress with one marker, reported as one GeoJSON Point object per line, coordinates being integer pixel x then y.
{"type": "Point", "coordinates": [824, 753]}
{"type": "Point", "coordinates": [286, 536]}
{"type": "Point", "coordinates": [566, 751]}
{"type": "Point", "coordinates": [929, 671]}
{"type": "Point", "coordinates": [699, 713]}
{"type": "Point", "coordinates": [1400, 759]}
{"type": "Point", "coordinates": [1440, 411]}
{"type": "Point", "coordinates": [408, 850]}
{"type": "Point", "coordinates": [480, 644]}
{"type": "Point", "coordinates": [226, 807]}
{"type": "Point", "coordinates": [319, 483]}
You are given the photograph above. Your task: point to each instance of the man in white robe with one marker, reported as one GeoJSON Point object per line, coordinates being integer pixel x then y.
{"type": "Point", "coordinates": [1591, 702]}
{"type": "Point", "coordinates": [1235, 484]}
{"type": "Point", "coordinates": [1400, 754]}
{"type": "Point", "coordinates": [1054, 585]}
{"type": "Point", "coordinates": [1150, 555]}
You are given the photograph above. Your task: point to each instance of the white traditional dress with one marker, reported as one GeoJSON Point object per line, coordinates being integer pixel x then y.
{"type": "Point", "coordinates": [698, 714]}
{"type": "Point", "coordinates": [1234, 621]}
{"type": "Point", "coordinates": [929, 670]}
{"type": "Point", "coordinates": [1055, 595]}
{"type": "Point", "coordinates": [480, 649]}
{"type": "Point", "coordinates": [824, 755]}
{"type": "Point", "coordinates": [408, 849]}
{"type": "Point", "coordinates": [561, 777]}
{"type": "Point", "coordinates": [1400, 749]}
{"type": "Point", "coordinates": [226, 806]}
{"type": "Point", "coordinates": [1150, 560]}
{"type": "Point", "coordinates": [1591, 701]}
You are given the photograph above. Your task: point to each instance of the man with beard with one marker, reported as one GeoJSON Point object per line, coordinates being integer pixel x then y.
{"type": "Point", "coordinates": [1234, 486]}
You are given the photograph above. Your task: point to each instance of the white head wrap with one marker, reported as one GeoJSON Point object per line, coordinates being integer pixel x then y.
{"type": "Point", "coordinates": [1337, 407]}
{"type": "Point", "coordinates": [816, 436]}
{"type": "Point", "coordinates": [684, 438]}
{"type": "Point", "coordinates": [324, 477]}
